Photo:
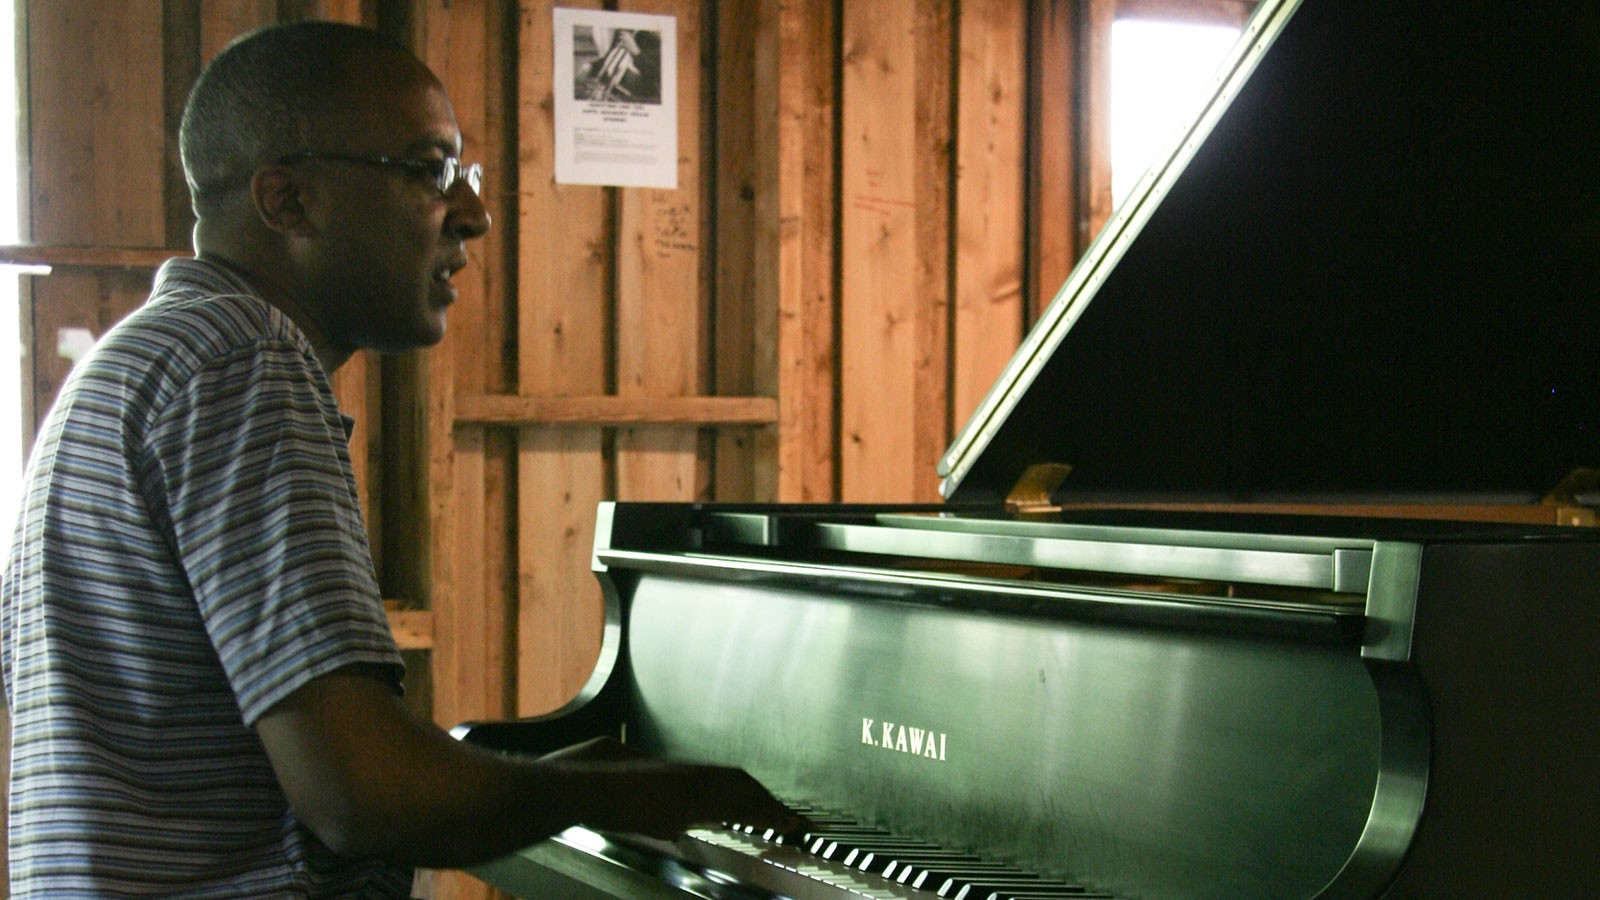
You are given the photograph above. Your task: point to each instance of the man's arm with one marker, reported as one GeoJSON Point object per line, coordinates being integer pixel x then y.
{"type": "Point", "coordinates": [371, 779]}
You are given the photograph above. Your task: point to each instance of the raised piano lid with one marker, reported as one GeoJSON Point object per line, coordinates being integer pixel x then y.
{"type": "Point", "coordinates": [1370, 272]}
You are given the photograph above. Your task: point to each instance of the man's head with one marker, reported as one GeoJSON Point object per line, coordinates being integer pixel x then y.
{"type": "Point", "coordinates": [324, 161]}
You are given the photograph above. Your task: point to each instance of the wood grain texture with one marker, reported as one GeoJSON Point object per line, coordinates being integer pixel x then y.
{"type": "Point", "coordinates": [934, 164]}
{"type": "Point", "coordinates": [878, 252]}
{"type": "Point", "coordinates": [96, 114]}
{"type": "Point", "coordinates": [807, 60]}
{"type": "Point", "coordinates": [743, 241]}
{"type": "Point", "coordinates": [563, 264]}
{"type": "Point", "coordinates": [610, 410]}
{"type": "Point", "coordinates": [1094, 126]}
{"type": "Point", "coordinates": [663, 273]}
{"type": "Point", "coordinates": [88, 257]}
{"type": "Point", "coordinates": [471, 676]}
{"type": "Point", "coordinates": [1053, 183]}
{"type": "Point", "coordinates": [894, 224]}
{"type": "Point", "coordinates": [223, 20]}
{"type": "Point", "coordinates": [990, 308]}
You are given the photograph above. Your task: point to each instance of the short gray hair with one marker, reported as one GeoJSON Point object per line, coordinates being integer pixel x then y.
{"type": "Point", "coordinates": [261, 98]}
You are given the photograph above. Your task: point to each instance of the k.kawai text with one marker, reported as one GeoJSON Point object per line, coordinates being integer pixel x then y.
{"type": "Point", "coordinates": [904, 739]}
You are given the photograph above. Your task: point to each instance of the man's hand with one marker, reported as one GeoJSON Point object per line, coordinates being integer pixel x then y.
{"type": "Point", "coordinates": [644, 795]}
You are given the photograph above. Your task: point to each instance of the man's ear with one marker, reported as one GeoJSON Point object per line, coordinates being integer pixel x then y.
{"type": "Point", "coordinates": [278, 197]}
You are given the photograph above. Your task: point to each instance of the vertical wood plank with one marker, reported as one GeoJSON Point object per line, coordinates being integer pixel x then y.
{"type": "Point", "coordinates": [349, 11]}
{"type": "Point", "coordinates": [563, 326]}
{"type": "Point", "coordinates": [96, 77]}
{"type": "Point", "coordinates": [990, 158]}
{"type": "Point", "coordinates": [1095, 119]}
{"type": "Point", "coordinates": [894, 249]}
{"type": "Point", "coordinates": [223, 20]}
{"type": "Point", "coordinates": [808, 360]}
{"type": "Point", "coordinates": [1052, 172]}
{"type": "Point", "coordinates": [878, 252]}
{"type": "Point", "coordinates": [741, 121]}
{"type": "Point", "coordinates": [661, 289]}
{"type": "Point", "coordinates": [931, 280]}
{"type": "Point", "coordinates": [96, 107]}
{"type": "Point", "coordinates": [180, 53]}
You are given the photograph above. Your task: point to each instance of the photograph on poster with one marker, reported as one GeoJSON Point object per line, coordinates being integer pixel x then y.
{"type": "Point", "coordinates": [615, 98]}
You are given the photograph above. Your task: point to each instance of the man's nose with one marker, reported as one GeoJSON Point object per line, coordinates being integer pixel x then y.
{"type": "Point", "coordinates": [467, 216]}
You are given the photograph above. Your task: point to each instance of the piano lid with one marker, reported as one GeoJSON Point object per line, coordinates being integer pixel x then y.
{"type": "Point", "coordinates": [1370, 271]}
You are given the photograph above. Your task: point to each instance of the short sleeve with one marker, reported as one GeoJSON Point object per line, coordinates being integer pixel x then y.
{"type": "Point", "coordinates": [252, 464]}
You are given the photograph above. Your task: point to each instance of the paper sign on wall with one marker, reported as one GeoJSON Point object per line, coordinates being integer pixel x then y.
{"type": "Point", "coordinates": [616, 98]}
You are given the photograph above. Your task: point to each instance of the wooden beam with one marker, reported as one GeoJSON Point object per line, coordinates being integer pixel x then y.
{"type": "Point", "coordinates": [412, 628]}
{"type": "Point", "coordinates": [88, 257]}
{"type": "Point", "coordinates": [607, 410]}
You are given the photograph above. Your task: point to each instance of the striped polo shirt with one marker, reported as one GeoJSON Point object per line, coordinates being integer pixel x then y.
{"type": "Point", "coordinates": [190, 551]}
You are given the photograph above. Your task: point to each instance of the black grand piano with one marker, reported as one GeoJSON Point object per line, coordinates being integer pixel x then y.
{"type": "Point", "coordinates": [1268, 569]}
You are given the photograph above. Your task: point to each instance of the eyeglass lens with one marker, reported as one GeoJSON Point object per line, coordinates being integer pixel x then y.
{"type": "Point", "coordinates": [455, 170]}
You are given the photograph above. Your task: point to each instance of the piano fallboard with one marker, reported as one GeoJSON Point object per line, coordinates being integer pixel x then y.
{"type": "Point", "coordinates": [1233, 706]}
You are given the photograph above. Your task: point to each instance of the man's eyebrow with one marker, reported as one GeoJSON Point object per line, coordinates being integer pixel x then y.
{"type": "Point", "coordinates": [446, 148]}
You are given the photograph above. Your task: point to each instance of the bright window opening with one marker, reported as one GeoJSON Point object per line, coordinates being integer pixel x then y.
{"type": "Point", "coordinates": [1161, 72]}
{"type": "Point", "coordinates": [11, 450]}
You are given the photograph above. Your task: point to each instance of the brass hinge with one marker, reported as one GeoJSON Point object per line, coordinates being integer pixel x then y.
{"type": "Point", "coordinates": [1032, 492]}
{"type": "Point", "coordinates": [1564, 497]}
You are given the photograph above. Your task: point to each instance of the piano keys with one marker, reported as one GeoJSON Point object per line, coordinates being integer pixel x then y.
{"type": "Point", "coordinates": [1249, 581]}
{"type": "Point", "coordinates": [732, 862]}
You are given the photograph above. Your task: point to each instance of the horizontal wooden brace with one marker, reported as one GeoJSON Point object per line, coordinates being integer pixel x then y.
{"type": "Point", "coordinates": [515, 409]}
{"type": "Point", "coordinates": [87, 257]}
{"type": "Point", "coordinates": [412, 628]}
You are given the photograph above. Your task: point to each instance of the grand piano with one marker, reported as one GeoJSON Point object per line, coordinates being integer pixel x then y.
{"type": "Point", "coordinates": [1268, 568]}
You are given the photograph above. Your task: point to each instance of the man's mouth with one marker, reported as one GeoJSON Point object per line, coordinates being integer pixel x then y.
{"type": "Point", "coordinates": [448, 269]}
{"type": "Point", "coordinates": [443, 272]}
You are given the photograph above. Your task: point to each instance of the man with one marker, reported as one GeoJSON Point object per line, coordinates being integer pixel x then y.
{"type": "Point", "coordinates": [204, 690]}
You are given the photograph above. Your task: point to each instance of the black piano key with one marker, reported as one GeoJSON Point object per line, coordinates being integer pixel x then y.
{"type": "Point", "coordinates": [904, 866]}
{"type": "Point", "coordinates": [930, 876]}
{"type": "Point", "coordinates": [1042, 888]}
{"type": "Point", "coordinates": [979, 885]}
{"type": "Point", "coordinates": [879, 861]}
{"type": "Point", "coordinates": [1069, 892]}
{"type": "Point", "coordinates": [873, 857]}
{"type": "Point", "coordinates": [849, 831]}
{"type": "Point", "coordinates": [981, 888]}
{"type": "Point", "coordinates": [820, 842]}
{"type": "Point", "coordinates": [849, 849]}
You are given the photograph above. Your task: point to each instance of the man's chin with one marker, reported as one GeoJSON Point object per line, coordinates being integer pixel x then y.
{"type": "Point", "coordinates": [425, 335]}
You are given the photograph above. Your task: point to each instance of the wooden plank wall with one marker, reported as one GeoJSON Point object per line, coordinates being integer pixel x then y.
{"type": "Point", "coordinates": [840, 275]}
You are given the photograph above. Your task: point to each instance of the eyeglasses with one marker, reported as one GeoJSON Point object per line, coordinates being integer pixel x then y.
{"type": "Point", "coordinates": [446, 172]}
